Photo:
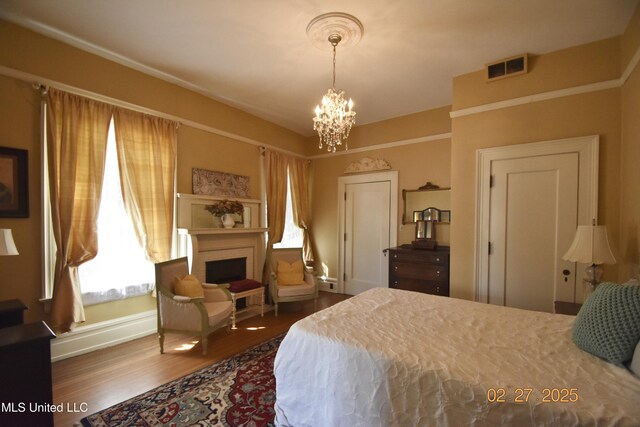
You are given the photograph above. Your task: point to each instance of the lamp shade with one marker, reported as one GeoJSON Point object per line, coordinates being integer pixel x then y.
{"type": "Point", "coordinates": [590, 246]}
{"type": "Point", "coordinates": [7, 246]}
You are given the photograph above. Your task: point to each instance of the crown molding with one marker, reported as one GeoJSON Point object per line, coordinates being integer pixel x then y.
{"type": "Point", "coordinates": [110, 55]}
{"type": "Point", "coordinates": [393, 144]}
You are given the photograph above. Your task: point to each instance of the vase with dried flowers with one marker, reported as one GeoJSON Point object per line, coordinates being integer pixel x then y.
{"type": "Point", "coordinates": [225, 210]}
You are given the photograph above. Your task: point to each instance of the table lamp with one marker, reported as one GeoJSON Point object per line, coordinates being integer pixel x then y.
{"type": "Point", "coordinates": [591, 246]}
{"type": "Point", "coordinates": [7, 246]}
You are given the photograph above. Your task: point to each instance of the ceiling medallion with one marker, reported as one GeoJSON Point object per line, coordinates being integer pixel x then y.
{"type": "Point", "coordinates": [333, 121]}
{"type": "Point", "coordinates": [346, 26]}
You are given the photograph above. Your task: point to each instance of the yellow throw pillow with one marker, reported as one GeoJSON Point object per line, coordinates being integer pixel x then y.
{"type": "Point", "coordinates": [290, 274]}
{"type": "Point", "coordinates": [188, 286]}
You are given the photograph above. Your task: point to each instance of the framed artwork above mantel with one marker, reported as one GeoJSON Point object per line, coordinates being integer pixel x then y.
{"type": "Point", "coordinates": [14, 183]}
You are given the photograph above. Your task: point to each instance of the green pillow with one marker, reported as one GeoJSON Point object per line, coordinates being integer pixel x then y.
{"type": "Point", "coordinates": [608, 324]}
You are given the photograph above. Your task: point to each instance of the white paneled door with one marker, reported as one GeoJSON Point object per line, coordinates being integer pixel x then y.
{"type": "Point", "coordinates": [531, 199]}
{"type": "Point", "coordinates": [534, 206]}
{"type": "Point", "coordinates": [367, 235]}
{"type": "Point", "coordinates": [367, 228]}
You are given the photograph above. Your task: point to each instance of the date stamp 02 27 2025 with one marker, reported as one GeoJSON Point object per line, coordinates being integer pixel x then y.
{"type": "Point", "coordinates": [523, 395]}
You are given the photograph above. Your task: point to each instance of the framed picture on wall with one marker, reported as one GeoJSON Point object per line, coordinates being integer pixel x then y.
{"type": "Point", "coordinates": [14, 184]}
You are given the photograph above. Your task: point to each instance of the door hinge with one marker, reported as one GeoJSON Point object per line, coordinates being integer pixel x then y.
{"type": "Point", "coordinates": [345, 195]}
{"type": "Point", "coordinates": [491, 179]}
{"type": "Point", "coordinates": [345, 237]}
{"type": "Point", "coordinates": [490, 248]}
{"type": "Point", "coordinates": [344, 277]}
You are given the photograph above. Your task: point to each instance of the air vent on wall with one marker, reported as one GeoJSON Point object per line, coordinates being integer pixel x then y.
{"type": "Point", "coordinates": [507, 67]}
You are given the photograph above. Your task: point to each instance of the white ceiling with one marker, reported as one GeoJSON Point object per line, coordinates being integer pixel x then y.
{"type": "Point", "coordinates": [255, 55]}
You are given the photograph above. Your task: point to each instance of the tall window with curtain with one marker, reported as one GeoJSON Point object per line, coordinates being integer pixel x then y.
{"type": "Point", "coordinates": [288, 213]}
{"type": "Point", "coordinates": [292, 235]}
{"type": "Point", "coordinates": [111, 202]}
{"type": "Point", "coordinates": [117, 243]}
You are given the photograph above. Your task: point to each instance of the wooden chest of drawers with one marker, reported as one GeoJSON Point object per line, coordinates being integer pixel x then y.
{"type": "Point", "coordinates": [419, 270]}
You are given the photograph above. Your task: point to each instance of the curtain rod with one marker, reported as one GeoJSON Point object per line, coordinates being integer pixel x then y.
{"type": "Point", "coordinates": [38, 81]}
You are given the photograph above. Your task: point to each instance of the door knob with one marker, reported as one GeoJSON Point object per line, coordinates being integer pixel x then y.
{"type": "Point", "coordinates": [566, 274]}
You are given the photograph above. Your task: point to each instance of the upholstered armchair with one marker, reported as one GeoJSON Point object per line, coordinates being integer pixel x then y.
{"type": "Point", "coordinates": [287, 290]}
{"type": "Point", "coordinates": [189, 315]}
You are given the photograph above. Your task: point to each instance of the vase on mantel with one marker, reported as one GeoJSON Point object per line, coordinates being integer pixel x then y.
{"type": "Point", "coordinates": [228, 221]}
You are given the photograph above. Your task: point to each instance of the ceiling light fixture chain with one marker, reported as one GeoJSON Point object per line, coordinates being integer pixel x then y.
{"type": "Point", "coordinates": [334, 39]}
{"type": "Point", "coordinates": [333, 121]}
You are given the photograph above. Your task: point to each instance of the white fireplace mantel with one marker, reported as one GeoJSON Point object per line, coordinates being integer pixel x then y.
{"type": "Point", "coordinates": [199, 231]}
{"type": "Point", "coordinates": [207, 244]}
{"type": "Point", "coordinates": [202, 239]}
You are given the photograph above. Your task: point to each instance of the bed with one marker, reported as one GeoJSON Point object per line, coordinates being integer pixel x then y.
{"type": "Point", "coordinates": [389, 357]}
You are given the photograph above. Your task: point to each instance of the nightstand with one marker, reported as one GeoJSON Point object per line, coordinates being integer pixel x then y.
{"type": "Point", "coordinates": [11, 313]}
{"type": "Point", "coordinates": [25, 369]}
{"type": "Point", "coordinates": [563, 307]}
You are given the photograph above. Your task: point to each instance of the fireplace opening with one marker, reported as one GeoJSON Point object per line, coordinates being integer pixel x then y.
{"type": "Point", "coordinates": [225, 271]}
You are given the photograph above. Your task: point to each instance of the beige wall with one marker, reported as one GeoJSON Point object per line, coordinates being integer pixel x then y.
{"type": "Point", "coordinates": [594, 113]}
{"type": "Point", "coordinates": [416, 164]}
{"type": "Point", "coordinates": [580, 65]}
{"type": "Point", "coordinates": [629, 235]}
{"type": "Point", "coordinates": [424, 123]}
{"type": "Point", "coordinates": [449, 162]}
{"type": "Point", "coordinates": [25, 51]}
{"type": "Point", "coordinates": [19, 124]}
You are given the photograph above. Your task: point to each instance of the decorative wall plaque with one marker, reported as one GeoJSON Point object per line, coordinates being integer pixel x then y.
{"type": "Point", "coordinates": [211, 183]}
{"type": "Point", "coordinates": [367, 164]}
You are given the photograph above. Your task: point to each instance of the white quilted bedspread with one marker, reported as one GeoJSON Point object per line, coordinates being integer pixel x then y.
{"type": "Point", "coordinates": [396, 358]}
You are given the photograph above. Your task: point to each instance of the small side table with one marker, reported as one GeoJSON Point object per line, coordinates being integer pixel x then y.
{"type": "Point", "coordinates": [563, 307]}
{"type": "Point", "coordinates": [25, 369]}
{"type": "Point", "coordinates": [257, 292]}
{"type": "Point", "coordinates": [11, 313]}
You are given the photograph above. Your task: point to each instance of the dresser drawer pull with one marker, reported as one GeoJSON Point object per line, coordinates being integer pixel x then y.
{"type": "Point", "coordinates": [395, 283]}
{"type": "Point", "coordinates": [437, 289]}
{"type": "Point", "coordinates": [395, 268]}
{"type": "Point", "coordinates": [437, 272]}
{"type": "Point", "coordinates": [395, 256]}
{"type": "Point", "coordinates": [437, 259]}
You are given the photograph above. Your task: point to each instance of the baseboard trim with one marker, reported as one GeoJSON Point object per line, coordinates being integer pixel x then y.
{"type": "Point", "coordinates": [85, 339]}
{"type": "Point", "coordinates": [326, 285]}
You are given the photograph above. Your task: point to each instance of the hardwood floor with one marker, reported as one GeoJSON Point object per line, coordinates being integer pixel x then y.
{"type": "Point", "coordinates": [105, 377]}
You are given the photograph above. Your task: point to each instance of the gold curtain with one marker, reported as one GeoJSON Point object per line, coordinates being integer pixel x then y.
{"type": "Point", "coordinates": [77, 131]}
{"type": "Point", "coordinates": [299, 176]}
{"type": "Point", "coordinates": [146, 148]}
{"type": "Point", "coordinates": [276, 180]}
{"type": "Point", "coordinates": [276, 189]}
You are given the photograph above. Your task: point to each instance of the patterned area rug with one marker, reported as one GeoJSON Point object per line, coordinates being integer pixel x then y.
{"type": "Point", "coordinates": [238, 391]}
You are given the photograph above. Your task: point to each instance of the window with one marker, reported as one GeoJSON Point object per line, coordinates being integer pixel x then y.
{"type": "Point", "coordinates": [292, 236]}
{"type": "Point", "coordinates": [120, 269]}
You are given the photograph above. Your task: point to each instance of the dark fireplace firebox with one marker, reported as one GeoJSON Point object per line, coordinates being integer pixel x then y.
{"type": "Point", "coordinates": [225, 271]}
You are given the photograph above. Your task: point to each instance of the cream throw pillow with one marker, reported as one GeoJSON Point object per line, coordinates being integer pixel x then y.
{"type": "Point", "coordinates": [188, 286]}
{"type": "Point", "coordinates": [290, 274]}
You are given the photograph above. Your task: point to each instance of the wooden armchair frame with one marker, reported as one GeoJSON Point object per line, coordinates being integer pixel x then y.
{"type": "Point", "coordinates": [184, 315]}
{"type": "Point", "coordinates": [290, 255]}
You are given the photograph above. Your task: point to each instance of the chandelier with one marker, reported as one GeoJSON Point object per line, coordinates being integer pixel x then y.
{"type": "Point", "coordinates": [333, 121]}
{"type": "Point", "coordinates": [334, 115]}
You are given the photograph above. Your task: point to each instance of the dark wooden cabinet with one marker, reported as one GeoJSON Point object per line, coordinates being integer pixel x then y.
{"type": "Point", "coordinates": [25, 375]}
{"type": "Point", "coordinates": [419, 270]}
{"type": "Point", "coordinates": [11, 313]}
